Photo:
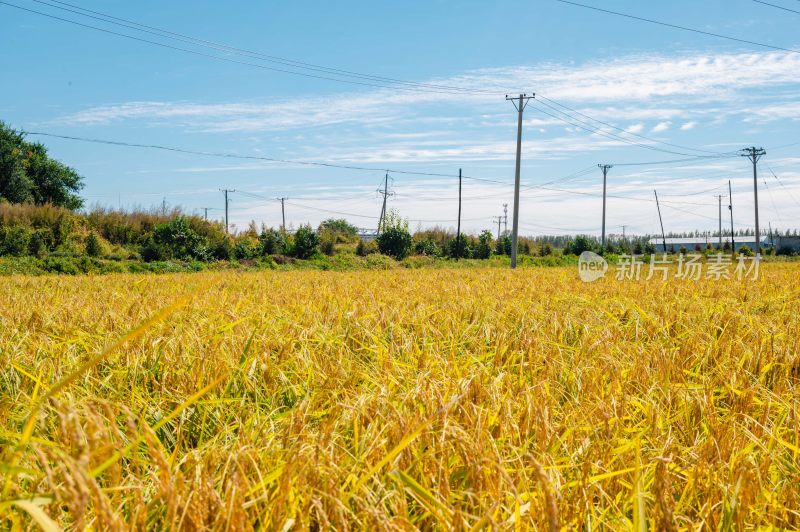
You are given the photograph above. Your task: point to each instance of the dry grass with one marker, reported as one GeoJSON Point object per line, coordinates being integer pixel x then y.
{"type": "Point", "coordinates": [393, 400]}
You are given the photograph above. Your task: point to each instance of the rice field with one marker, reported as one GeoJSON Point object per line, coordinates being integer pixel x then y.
{"type": "Point", "coordinates": [400, 400]}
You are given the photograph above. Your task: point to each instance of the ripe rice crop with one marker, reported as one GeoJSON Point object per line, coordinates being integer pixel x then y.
{"type": "Point", "coordinates": [432, 399]}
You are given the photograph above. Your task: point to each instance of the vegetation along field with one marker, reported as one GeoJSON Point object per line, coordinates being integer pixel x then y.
{"type": "Point", "coordinates": [388, 400]}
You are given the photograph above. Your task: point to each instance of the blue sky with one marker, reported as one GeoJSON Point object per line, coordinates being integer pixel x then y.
{"type": "Point", "coordinates": [661, 87]}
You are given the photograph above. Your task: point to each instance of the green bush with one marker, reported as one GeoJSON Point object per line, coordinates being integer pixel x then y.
{"type": "Point", "coordinates": [14, 241]}
{"type": "Point", "coordinates": [427, 248]}
{"type": "Point", "coordinates": [40, 243]}
{"type": "Point", "coordinates": [306, 242]}
{"type": "Point", "coordinates": [366, 247]}
{"type": "Point", "coordinates": [484, 248]}
{"type": "Point", "coordinates": [94, 246]}
{"type": "Point", "coordinates": [176, 240]}
{"type": "Point", "coordinates": [272, 242]}
{"type": "Point", "coordinates": [246, 249]}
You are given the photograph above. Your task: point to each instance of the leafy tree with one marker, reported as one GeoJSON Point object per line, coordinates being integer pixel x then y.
{"type": "Point", "coordinates": [94, 247]}
{"type": "Point", "coordinates": [484, 248]}
{"type": "Point", "coordinates": [246, 249]}
{"type": "Point", "coordinates": [14, 240]}
{"type": "Point", "coordinates": [426, 247]}
{"type": "Point", "coordinates": [339, 226]}
{"type": "Point", "coordinates": [395, 239]}
{"type": "Point", "coordinates": [503, 246]}
{"type": "Point", "coordinates": [175, 240]}
{"type": "Point", "coordinates": [27, 174]}
{"type": "Point", "coordinates": [272, 242]}
{"type": "Point", "coordinates": [306, 242]}
{"type": "Point", "coordinates": [580, 244]}
{"type": "Point", "coordinates": [545, 249]}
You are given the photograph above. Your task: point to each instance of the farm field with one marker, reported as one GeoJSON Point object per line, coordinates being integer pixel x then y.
{"type": "Point", "coordinates": [431, 399]}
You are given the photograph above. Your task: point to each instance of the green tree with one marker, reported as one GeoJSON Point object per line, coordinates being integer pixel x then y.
{"type": "Point", "coordinates": [306, 242]}
{"type": "Point", "coordinates": [484, 248]}
{"type": "Point", "coordinates": [28, 174]}
{"type": "Point", "coordinates": [580, 244]}
{"type": "Point", "coordinates": [395, 239]}
{"type": "Point", "coordinates": [175, 240]}
{"type": "Point", "coordinates": [94, 247]}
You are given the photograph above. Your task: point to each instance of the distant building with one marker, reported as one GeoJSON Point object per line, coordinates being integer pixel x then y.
{"type": "Point", "coordinates": [787, 242]}
{"type": "Point", "coordinates": [702, 242]}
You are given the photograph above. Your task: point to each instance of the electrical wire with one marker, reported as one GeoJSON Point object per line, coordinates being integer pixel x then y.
{"type": "Point", "coordinates": [678, 27]}
{"type": "Point", "coordinates": [777, 6]}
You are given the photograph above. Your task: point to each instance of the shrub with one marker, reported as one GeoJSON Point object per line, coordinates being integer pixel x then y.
{"type": "Point", "coordinates": [246, 249]}
{"type": "Point", "coordinates": [177, 240]}
{"type": "Point", "coordinates": [545, 250]}
{"type": "Point", "coordinates": [306, 242]}
{"type": "Point", "coordinates": [366, 247]}
{"type": "Point", "coordinates": [503, 246]}
{"type": "Point", "coordinates": [14, 241]}
{"type": "Point", "coordinates": [484, 248]}
{"type": "Point", "coordinates": [94, 247]}
{"type": "Point", "coordinates": [40, 243]}
{"type": "Point", "coordinates": [746, 251]}
{"type": "Point", "coordinates": [395, 242]}
{"type": "Point", "coordinates": [580, 244]}
{"type": "Point", "coordinates": [426, 247]}
{"type": "Point", "coordinates": [272, 242]}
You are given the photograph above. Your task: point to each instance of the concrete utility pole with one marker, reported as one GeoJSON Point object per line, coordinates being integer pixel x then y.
{"type": "Point", "coordinates": [519, 103]}
{"type": "Point", "coordinates": [205, 213]}
{"type": "Point", "coordinates": [499, 220]}
{"type": "Point", "coordinates": [720, 221]}
{"type": "Point", "coordinates": [386, 194]}
{"type": "Point", "coordinates": [283, 214]}
{"type": "Point", "coordinates": [754, 154]}
{"type": "Point", "coordinates": [227, 201]}
{"type": "Point", "coordinates": [623, 234]}
{"type": "Point", "coordinates": [605, 168]}
{"type": "Point", "coordinates": [663, 236]}
{"type": "Point", "coordinates": [730, 208]}
{"type": "Point", "coordinates": [458, 231]}
{"type": "Point", "coordinates": [505, 217]}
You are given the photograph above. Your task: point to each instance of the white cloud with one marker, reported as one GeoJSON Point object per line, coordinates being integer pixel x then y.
{"type": "Point", "coordinates": [647, 81]}
{"type": "Point", "coordinates": [661, 126]}
{"type": "Point", "coordinates": [636, 128]}
{"type": "Point", "coordinates": [688, 125]}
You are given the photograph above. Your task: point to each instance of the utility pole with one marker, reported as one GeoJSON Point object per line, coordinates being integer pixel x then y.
{"type": "Point", "coordinates": [283, 214]}
{"type": "Point", "coordinates": [227, 201]}
{"type": "Point", "coordinates": [458, 231]}
{"type": "Point", "coordinates": [663, 236]}
{"type": "Point", "coordinates": [754, 154]}
{"type": "Point", "coordinates": [499, 220]}
{"type": "Point", "coordinates": [720, 221]}
{"type": "Point", "coordinates": [771, 239]}
{"type": "Point", "coordinates": [505, 217]}
{"type": "Point", "coordinates": [605, 168]}
{"type": "Point", "coordinates": [164, 206]}
{"type": "Point", "coordinates": [205, 213]}
{"type": "Point", "coordinates": [730, 208]}
{"type": "Point", "coordinates": [623, 235]}
{"type": "Point", "coordinates": [520, 104]}
{"type": "Point", "coordinates": [386, 194]}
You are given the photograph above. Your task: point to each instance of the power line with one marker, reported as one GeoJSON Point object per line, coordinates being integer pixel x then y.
{"type": "Point", "coordinates": [621, 129]}
{"type": "Point", "coordinates": [544, 186]}
{"type": "Point", "coordinates": [777, 6]}
{"type": "Point", "coordinates": [221, 58]}
{"type": "Point", "coordinates": [381, 82]}
{"type": "Point", "coordinates": [677, 27]}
